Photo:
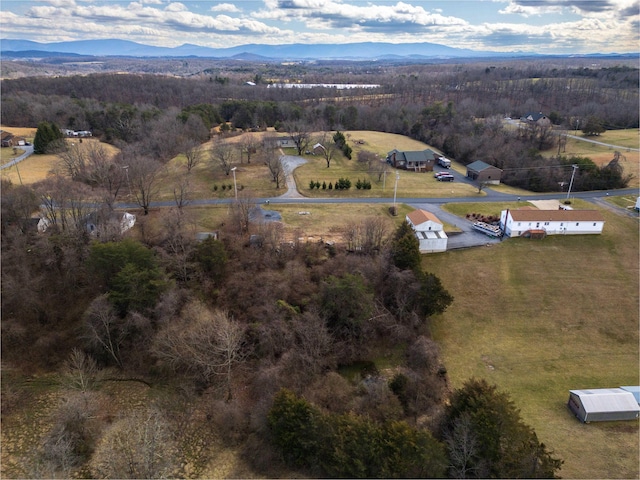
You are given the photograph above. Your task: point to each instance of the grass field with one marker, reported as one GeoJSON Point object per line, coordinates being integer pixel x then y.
{"type": "Point", "coordinates": [538, 318]}
{"type": "Point", "coordinates": [602, 155]}
{"type": "Point", "coordinates": [410, 184]}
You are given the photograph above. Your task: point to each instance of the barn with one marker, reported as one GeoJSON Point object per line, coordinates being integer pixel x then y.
{"type": "Point", "coordinates": [603, 404]}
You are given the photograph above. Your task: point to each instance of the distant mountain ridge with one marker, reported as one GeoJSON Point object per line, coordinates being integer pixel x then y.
{"type": "Point", "coordinates": [365, 50]}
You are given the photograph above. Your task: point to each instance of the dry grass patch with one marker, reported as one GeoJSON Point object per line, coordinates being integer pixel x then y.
{"type": "Point", "coordinates": [326, 222]}
{"type": "Point", "coordinates": [27, 132]}
{"type": "Point", "coordinates": [38, 167]}
{"type": "Point", "coordinates": [538, 318]}
{"type": "Point", "coordinates": [602, 155]}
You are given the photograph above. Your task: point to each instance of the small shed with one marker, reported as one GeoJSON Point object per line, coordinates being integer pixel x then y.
{"type": "Point", "coordinates": [603, 404]}
{"type": "Point", "coordinates": [429, 231]}
{"type": "Point", "coordinates": [483, 172]}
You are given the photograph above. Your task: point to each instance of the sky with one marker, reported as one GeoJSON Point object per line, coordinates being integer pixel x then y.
{"type": "Point", "coordinates": [540, 26]}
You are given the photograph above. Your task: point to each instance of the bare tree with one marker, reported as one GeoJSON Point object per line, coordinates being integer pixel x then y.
{"type": "Point", "coordinates": [137, 446]}
{"type": "Point", "coordinates": [241, 211]}
{"type": "Point", "coordinates": [276, 168]}
{"type": "Point", "coordinates": [65, 204]}
{"type": "Point", "coordinates": [104, 330]}
{"type": "Point", "coordinates": [207, 343]}
{"type": "Point", "coordinates": [179, 241]}
{"type": "Point", "coordinates": [143, 175]}
{"type": "Point", "coordinates": [80, 370]}
{"type": "Point", "coordinates": [72, 161]}
{"type": "Point", "coordinates": [248, 146]}
{"type": "Point", "coordinates": [462, 446]}
{"type": "Point", "coordinates": [193, 153]}
{"type": "Point", "coordinates": [367, 236]}
{"type": "Point", "coordinates": [221, 154]}
{"type": "Point", "coordinates": [329, 148]}
{"type": "Point", "coordinates": [181, 190]}
{"type": "Point", "coordinates": [299, 133]}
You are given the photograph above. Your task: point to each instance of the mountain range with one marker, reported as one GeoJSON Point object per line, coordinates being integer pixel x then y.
{"type": "Point", "coordinates": [350, 51]}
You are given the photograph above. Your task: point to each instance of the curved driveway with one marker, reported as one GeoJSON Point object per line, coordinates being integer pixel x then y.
{"type": "Point", "coordinates": [28, 150]}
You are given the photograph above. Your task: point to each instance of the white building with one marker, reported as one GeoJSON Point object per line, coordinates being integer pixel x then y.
{"type": "Point", "coordinates": [603, 404]}
{"type": "Point", "coordinates": [515, 223]}
{"type": "Point", "coordinates": [429, 231]}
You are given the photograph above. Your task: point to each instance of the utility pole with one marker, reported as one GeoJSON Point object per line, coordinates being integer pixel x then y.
{"type": "Point", "coordinates": [575, 167]}
{"type": "Point", "coordinates": [395, 191]}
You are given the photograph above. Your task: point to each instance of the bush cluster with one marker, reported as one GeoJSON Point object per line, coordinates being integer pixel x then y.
{"type": "Point", "coordinates": [340, 184]}
{"type": "Point", "coordinates": [363, 185]}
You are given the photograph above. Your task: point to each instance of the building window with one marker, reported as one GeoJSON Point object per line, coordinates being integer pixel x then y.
{"type": "Point", "coordinates": [546, 223]}
{"type": "Point", "coordinates": [594, 224]}
{"type": "Point", "coordinates": [519, 223]}
{"type": "Point", "coordinates": [577, 224]}
{"type": "Point", "coordinates": [561, 224]}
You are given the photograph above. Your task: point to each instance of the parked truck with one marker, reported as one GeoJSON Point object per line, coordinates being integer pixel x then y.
{"type": "Point", "coordinates": [444, 162]}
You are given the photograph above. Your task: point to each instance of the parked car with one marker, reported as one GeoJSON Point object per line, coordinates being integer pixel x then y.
{"type": "Point", "coordinates": [445, 178]}
{"type": "Point", "coordinates": [439, 174]}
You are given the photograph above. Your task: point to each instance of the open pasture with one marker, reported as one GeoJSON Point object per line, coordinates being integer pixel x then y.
{"type": "Point", "coordinates": [541, 317]}
{"type": "Point", "coordinates": [602, 154]}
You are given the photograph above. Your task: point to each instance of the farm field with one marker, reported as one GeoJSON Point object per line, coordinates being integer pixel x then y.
{"type": "Point", "coordinates": [536, 319]}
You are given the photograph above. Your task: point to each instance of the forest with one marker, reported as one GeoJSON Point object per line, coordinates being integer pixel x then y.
{"type": "Point", "coordinates": [266, 347]}
{"type": "Point", "coordinates": [458, 109]}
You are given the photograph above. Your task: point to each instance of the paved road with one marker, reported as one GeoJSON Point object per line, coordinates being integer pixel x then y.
{"type": "Point", "coordinates": [28, 150]}
{"type": "Point", "coordinates": [617, 147]}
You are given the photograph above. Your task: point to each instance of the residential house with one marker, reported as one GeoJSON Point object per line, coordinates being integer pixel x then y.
{"type": "Point", "coordinates": [10, 140]}
{"type": "Point", "coordinates": [523, 222]}
{"type": "Point", "coordinates": [100, 223]}
{"type": "Point", "coordinates": [429, 231]}
{"type": "Point", "coordinates": [537, 118]}
{"type": "Point", "coordinates": [418, 161]}
{"type": "Point", "coordinates": [482, 172]}
{"type": "Point", "coordinates": [286, 143]}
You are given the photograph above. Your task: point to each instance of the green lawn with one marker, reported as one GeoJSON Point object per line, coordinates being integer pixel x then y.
{"type": "Point", "coordinates": [540, 317]}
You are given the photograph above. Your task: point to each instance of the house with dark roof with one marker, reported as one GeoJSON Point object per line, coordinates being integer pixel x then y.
{"type": "Point", "coordinates": [418, 161]}
{"type": "Point", "coordinates": [537, 118]}
{"type": "Point", "coordinates": [482, 172]}
{"type": "Point", "coordinates": [8, 139]}
{"type": "Point", "coordinates": [429, 231]}
{"type": "Point", "coordinates": [525, 222]}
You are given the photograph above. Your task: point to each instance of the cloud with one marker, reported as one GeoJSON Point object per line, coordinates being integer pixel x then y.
{"type": "Point", "coordinates": [225, 7]}
{"type": "Point", "coordinates": [369, 17]}
{"type": "Point", "coordinates": [581, 7]}
{"type": "Point", "coordinates": [135, 16]}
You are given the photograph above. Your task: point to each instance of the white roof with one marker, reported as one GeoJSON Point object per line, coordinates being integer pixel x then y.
{"type": "Point", "coordinates": [607, 400]}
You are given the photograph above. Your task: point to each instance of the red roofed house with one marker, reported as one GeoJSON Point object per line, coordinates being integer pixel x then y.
{"type": "Point", "coordinates": [429, 231]}
{"type": "Point", "coordinates": [521, 222]}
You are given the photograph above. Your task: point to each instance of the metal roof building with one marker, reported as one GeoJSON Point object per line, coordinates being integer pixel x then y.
{"type": "Point", "coordinates": [603, 404]}
{"type": "Point", "coordinates": [635, 390]}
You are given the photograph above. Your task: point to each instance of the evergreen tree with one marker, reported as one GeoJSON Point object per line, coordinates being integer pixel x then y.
{"type": "Point", "coordinates": [48, 138]}
{"type": "Point", "coordinates": [405, 248]}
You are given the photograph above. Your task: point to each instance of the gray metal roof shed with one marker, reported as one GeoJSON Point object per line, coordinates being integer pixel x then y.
{"type": "Point", "coordinates": [603, 404]}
